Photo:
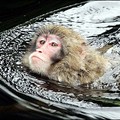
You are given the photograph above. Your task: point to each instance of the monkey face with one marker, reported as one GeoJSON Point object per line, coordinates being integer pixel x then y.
{"type": "Point", "coordinates": [47, 47]}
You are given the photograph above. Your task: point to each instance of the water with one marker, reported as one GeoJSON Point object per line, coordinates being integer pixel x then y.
{"type": "Point", "coordinates": [34, 97]}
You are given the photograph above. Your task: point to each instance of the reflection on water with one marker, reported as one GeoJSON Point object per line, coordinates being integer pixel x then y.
{"type": "Point", "coordinates": [32, 96]}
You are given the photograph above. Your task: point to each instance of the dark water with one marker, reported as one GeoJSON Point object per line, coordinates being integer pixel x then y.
{"type": "Point", "coordinates": [27, 95]}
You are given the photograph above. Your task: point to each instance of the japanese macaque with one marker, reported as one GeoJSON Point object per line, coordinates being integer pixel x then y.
{"type": "Point", "coordinates": [63, 55]}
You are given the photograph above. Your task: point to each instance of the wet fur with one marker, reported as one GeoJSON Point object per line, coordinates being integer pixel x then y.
{"type": "Point", "coordinates": [78, 63]}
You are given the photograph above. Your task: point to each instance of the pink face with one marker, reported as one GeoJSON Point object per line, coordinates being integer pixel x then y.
{"type": "Point", "coordinates": [46, 47]}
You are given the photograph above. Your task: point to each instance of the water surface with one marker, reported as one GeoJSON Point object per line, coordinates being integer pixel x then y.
{"type": "Point", "coordinates": [35, 96]}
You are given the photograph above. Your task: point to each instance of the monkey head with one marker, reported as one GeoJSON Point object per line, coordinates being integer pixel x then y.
{"type": "Point", "coordinates": [62, 54]}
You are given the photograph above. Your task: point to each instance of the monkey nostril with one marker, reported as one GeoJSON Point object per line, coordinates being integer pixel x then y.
{"type": "Point", "coordinates": [40, 51]}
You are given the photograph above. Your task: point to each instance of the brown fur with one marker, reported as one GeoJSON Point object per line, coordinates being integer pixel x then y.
{"type": "Point", "coordinates": [80, 64]}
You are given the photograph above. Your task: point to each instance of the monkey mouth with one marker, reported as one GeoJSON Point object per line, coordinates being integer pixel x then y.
{"type": "Point", "coordinates": [36, 59]}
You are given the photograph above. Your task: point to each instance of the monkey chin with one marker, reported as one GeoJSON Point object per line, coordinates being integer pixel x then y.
{"type": "Point", "coordinates": [39, 66]}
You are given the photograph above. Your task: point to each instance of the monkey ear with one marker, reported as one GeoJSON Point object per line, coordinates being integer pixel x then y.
{"type": "Point", "coordinates": [83, 54]}
{"type": "Point", "coordinates": [83, 50]}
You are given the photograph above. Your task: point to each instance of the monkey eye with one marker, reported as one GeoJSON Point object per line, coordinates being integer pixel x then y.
{"type": "Point", "coordinates": [42, 42]}
{"type": "Point", "coordinates": [54, 44]}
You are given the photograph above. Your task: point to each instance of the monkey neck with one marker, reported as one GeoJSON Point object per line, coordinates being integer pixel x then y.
{"type": "Point", "coordinates": [69, 62]}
